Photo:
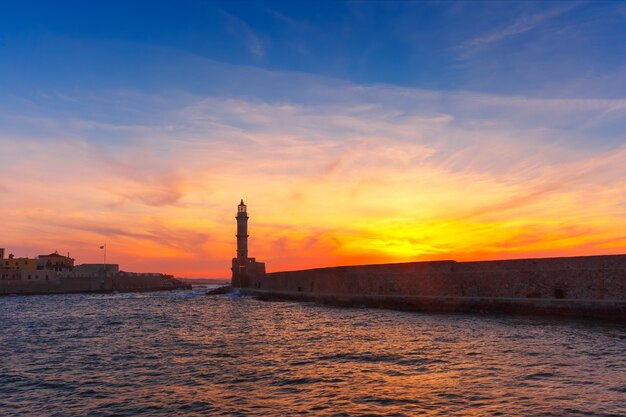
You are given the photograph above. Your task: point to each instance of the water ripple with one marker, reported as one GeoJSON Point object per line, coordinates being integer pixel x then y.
{"type": "Point", "coordinates": [182, 354]}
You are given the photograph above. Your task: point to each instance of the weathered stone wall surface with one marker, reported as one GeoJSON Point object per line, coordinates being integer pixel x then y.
{"type": "Point", "coordinates": [144, 282]}
{"type": "Point", "coordinates": [92, 270]}
{"type": "Point", "coordinates": [71, 282]}
{"type": "Point", "coordinates": [578, 279]}
{"type": "Point", "coordinates": [56, 285]}
{"type": "Point", "coordinates": [85, 284]}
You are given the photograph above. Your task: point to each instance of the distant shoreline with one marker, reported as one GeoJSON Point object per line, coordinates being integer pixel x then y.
{"type": "Point", "coordinates": [205, 281]}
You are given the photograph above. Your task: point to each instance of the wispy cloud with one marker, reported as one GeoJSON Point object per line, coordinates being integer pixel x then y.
{"type": "Point", "coordinates": [240, 28]}
{"type": "Point", "coordinates": [524, 23]}
{"type": "Point", "coordinates": [354, 174]}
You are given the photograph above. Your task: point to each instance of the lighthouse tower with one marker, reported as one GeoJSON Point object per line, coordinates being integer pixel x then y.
{"type": "Point", "coordinates": [242, 234]}
{"type": "Point", "coordinates": [247, 272]}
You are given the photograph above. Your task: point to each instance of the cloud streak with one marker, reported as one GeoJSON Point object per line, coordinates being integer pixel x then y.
{"type": "Point", "coordinates": [242, 29]}
{"type": "Point", "coordinates": [359, 174]}
{"type": "Point", "coordinates": [522, 24]}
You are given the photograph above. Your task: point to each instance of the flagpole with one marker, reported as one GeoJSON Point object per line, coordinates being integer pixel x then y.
{"type": "Point", "coordinates": [103, 282]}
{"type": "Point", "coordinates": [104, 247]}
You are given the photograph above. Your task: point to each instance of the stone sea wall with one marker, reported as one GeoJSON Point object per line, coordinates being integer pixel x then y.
{"type": "Point", "coordinates": [592, 286]}
{"type": "Point", "coordinates": [70, 283]}
{"type": "Point", "coordinates": [57, 284]}
{"type": "Point", "coordinates": [145, 282]}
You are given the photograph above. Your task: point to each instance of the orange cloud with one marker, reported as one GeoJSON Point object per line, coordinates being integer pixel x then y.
{"type": "Point", "coordinates": [391, 175]}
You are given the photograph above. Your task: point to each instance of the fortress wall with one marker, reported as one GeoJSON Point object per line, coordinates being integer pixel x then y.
{"type": "Point", "coordinates": [136, 283]}
{"type": "Point", "coordinates": [593, 278]}
{"type": "Point", "coordinates": [558, 284]}
{"type": "Point", "coordinates": [546, 264]}
{"type": "Point", "coordinates": [144, 282]}
{"type": "Point", "coordinates": [582, 286]}
{"type": "Point", "coordinates": [418, 278]}
{"type": "Point", "coordinates": [71, 283]}
{"type": "Point", "coordinates": [27, 287]}
{"type": "Point", "coordinates": [83, 278]}
{"type": "Point", "coordinates": [57, 284]}
{"type": "Point", "coordinates": [85, 284]}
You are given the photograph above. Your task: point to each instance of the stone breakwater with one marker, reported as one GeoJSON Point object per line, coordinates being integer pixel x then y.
{"type": "Point", "coordinates": [589, 286]}
{"type": "Point", "coordinates": [59, 283]}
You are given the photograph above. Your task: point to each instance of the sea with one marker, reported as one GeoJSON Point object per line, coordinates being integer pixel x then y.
{"type": "Point", "coordinates": [183, 353]}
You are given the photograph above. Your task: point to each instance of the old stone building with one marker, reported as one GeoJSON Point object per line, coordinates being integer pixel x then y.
{"type": "Point", "coordinates": [19, 263]}
{"type": "Point", "coordinates": [56, 262]}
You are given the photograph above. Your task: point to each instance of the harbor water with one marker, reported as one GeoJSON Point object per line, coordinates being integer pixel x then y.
{"type": "Point", "coordinates": [182, 353]}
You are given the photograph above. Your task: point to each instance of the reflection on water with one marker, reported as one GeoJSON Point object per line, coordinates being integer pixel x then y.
{"type": "Point", "coordinates": [181, 353]}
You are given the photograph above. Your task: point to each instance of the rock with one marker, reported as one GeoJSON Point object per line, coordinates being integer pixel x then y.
{"type": "Point", "coordinates": [225, 289]}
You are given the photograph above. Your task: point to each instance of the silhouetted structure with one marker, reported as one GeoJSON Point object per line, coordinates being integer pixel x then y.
{"type": "Point", "coordinates": [55, 273]}
{"type": "Point", "coordinates": [242, 234]}
{"type": "Point", "coordinates": [584, 286]}
{"type": "Point", "coordinates": [244, 268]}
{"type": "Point", "coordinates": [55, 261]}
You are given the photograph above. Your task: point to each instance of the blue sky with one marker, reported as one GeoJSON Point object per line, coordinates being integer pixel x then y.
{"type": "Point", "coordinates": [527, 48]}
{"type": "Point", "coordinates": [496, 120]}
{"type": "Point", "coordinates": [52, 50]}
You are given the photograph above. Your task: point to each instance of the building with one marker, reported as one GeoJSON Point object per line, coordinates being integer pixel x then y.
{"type": "Point", "coordinates": [18, 263]}
{"type": "Point", "coordinates": [56, 274]}
{"type": "Point", "coordinates": [243, 268]}
{"type": "Point", "coordinates": [53, 261]}
{"type": "Point", "coordinates": [56, 262]}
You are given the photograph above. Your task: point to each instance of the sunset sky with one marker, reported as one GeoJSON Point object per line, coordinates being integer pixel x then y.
{"type": "Point", "coordinates": [358, 132]}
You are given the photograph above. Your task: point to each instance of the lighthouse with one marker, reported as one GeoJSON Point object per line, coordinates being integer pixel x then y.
{"type": "Point", "coordinates": [242, 233]}
{"type": "Point", "coordinates": [247, 272]}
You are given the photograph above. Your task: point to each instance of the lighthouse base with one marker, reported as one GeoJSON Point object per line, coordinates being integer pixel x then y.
{"type": "Point", "coordinates": [246, 272]}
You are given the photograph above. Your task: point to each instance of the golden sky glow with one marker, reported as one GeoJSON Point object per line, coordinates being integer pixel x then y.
{"type": "Point", "coordinates": [363, 175]}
